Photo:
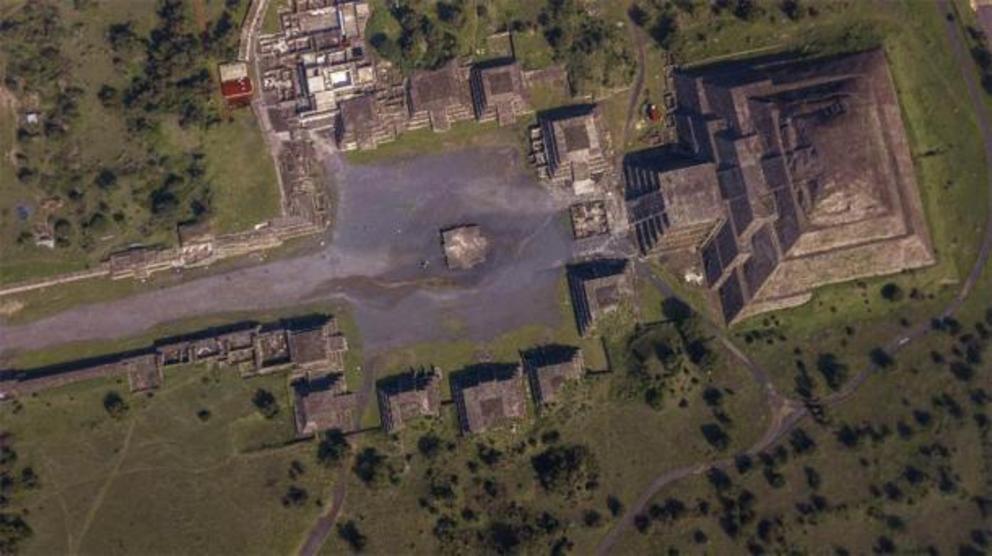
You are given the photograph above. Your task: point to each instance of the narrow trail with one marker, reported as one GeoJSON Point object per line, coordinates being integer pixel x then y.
{"type": "Point", "coordinates": [321, 529]}
{"type": "Point", "coordinates": [102, 493]}
{"type": "Point", "coordinates": [637, 36]}
{"type": "Point", "coordinates": [787, 413]}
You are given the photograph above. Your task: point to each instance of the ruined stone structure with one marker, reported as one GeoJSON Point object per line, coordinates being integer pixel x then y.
{"type": "Point", "coordinates": [596, 288]}
{"type": "Point", "coordinates": [573, 148]}
{"type": "Point", "coordinates": [310, 350]}
{"type": "Point", "coordinates": [464, 247]}
{"type": "Point", "coordinates": [788, 175]}
{"type": "Point", "coordinates": [407, 396]}
{"type": "Point", "coordinates": [361, 124]}
{"type": "Point", "coordinates": [549, 368]}
{"type": "Point", "coordinates": [487, 396]}
{"type": "Point", "coordinates": [440, 97]}
{"type": "Point", "coordinates": [323, 404]}
{"type": "Point", "coordinates": [589, 219]}
{"type": "Point", "coordinates": [499, 92]}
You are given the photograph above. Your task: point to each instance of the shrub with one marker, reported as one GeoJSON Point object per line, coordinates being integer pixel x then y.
{"type": "Point", "coordinates": [892, 292]}
{"type": "Point", "coordinates": [348, 531]}
{"type": "Point", "coordinates": [265, 403]}
{"type": "Point", "coordinates": [295, 496]}
{"type": "Point", "coordinates": [115, 405]}
{"type": "Point", "coordinates": [429, 445]}
{"type": "Point", "coordinates": [372, 467]}
{"type": "Point", "coordinates": [881, 358]}
{"type": "Point", "coordinates": [715, 436]}
{"type": "Point", "coordinates": [333, 448]}
{"type": "Point", "coordinates": [566, 469]}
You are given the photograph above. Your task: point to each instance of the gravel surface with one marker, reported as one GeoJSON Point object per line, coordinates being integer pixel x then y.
{"type": "Point", "coordinates": [389, 217]}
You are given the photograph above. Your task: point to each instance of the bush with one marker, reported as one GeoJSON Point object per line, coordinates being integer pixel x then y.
{"type": "Point", "coordinates": [715, 436]}
{"type": "Point", "coordinates": [614, 505]}
{"type": "Point", "coordinates": [566, 469]}
{"type": "Point", "coordinates": [892, 292]}
{"type": "Point", "coordinates": [333, 448]}
{"type": "Point", "coordinates": [295, 496]}
{"type": "Point", "coordinates": [265, 403]}
{"type": "Point", "coordinates": [13, 531]}
{"type": "Point", "coordinates": [832, 369]}
{"type": "Point", "coordinates": [429, 445]}
{"type": "Point", "coordinates": [115, 405]}
{"type": "Point", "coordinates": [372, 467]}
{"type": "Point", "coordinates": [881, 358]}
{"type": "Point", "coordinates": [348, 531]}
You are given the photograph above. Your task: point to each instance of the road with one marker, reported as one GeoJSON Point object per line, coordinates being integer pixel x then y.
{"type": "Point", "coordinates": [786, 414]}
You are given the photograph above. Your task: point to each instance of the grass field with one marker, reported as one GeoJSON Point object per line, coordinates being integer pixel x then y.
{"type": "Point", "coordinates": [424, 141]}
{"type": "Point", "coordinates": [629, 441]}
{"type": "Point", "coordinates": [868, 495]}
{"type": "Point", "coordinates": [205, 486]}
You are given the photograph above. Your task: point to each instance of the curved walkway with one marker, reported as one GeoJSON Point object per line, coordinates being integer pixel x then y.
{"type": "Point", "coordinates": [786, 413]}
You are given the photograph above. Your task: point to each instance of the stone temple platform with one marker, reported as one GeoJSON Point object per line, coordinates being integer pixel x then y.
{"type": "Point", "coordinates": [788, 175]}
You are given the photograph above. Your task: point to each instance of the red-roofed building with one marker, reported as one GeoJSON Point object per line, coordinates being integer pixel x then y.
{"type": "Point", "coordinates": [235, 83]}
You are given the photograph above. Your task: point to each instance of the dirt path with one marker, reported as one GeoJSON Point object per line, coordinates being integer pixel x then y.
{"type": "Point", "coordinates": [104, 488]}
{"type": "Point", "coordinates": [637, 37]}
{"type": "Point", "coordinates": [786, 413]}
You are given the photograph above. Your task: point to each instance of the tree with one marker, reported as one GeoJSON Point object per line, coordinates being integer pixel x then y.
{"type": "Point", "coordinates": [429, 445]}
{"type": "Point", "coordinates": [265, 403]}
{"type": "Point", "coordinates": [63, 232]}
{"type": "Point", "coordinates": [832, 369]}
{"type": "Point", "coordinates": [348, 531]}
{"type": "Point", "coordinates": [372, 467]}
{"type": "Point", "coordinates": [333, 448]}
{"type": "Point", "coordinates": [115, 405]}
{"type": "Point", "coordinates": [614, 505]}
{"type": "Point", "coordinates": [715, 436]}
{"type": "Point", "coordinates": [566, 469]}
{"type": "Point", "coordinates": [881, 358]}
{"type": "Point", "coordinates": [591, 518]}
{"type": "Point", "coordinates": [295, 496]}
{"type": "Point", "coordinates": [892, 292]}
{"type": "Point", "coordinates": [13, 531]}
{"type": "Point", "coordinates": [791, 9]}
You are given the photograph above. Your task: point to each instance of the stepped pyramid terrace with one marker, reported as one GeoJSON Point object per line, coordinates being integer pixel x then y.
{"type": "Point", "coordinates": [787, 175]}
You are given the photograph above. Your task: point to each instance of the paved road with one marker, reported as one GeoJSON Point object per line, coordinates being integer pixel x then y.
{"type": "Point", "coordinates": [786, 414]}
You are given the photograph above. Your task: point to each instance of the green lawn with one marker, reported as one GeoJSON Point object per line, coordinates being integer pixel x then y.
{"type": "Point", "coordinates": [424, 141]}
{"type": "Point", "coordinates": [246, 189]}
